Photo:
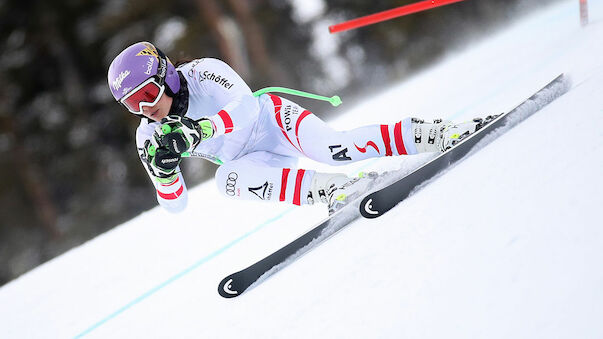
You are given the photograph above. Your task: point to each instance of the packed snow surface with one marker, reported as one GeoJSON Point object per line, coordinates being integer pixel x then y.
{"type": "Point", "coordinates": [506, 244]}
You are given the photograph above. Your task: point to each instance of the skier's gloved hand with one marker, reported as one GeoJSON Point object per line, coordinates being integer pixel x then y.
{"type": "Point", "coordinates": [181, 134]}
{"type": "Point", "coordinates": [161, 162]}
{"type": "Point", "coordinates": [207, 128]}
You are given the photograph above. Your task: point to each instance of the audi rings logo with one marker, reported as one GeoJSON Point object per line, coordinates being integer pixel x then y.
{"type": "Point", "coordinates": [231, 182]}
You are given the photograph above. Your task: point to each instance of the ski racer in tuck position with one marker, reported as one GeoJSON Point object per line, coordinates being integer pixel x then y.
{"type": "Point", "coordinates": [203, 108]}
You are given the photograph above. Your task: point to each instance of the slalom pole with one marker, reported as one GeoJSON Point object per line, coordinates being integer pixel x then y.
{"type": "Point", "coordinates": [390, 14]}
{"type": "Point", "coordinates": [583, 13]}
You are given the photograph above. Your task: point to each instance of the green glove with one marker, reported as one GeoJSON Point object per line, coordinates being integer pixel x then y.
{"type": "Point", "coordinates": [162, 163]}
{"type": "Point", "coordinates": [207, 128]}
{"type": "Point", "coordinates": [181, 135]}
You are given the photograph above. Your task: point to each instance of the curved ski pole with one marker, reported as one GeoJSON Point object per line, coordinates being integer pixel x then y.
{"type": "Point", "coordinates": [334, 100]}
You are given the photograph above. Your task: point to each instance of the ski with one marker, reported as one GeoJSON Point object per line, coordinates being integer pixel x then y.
{"type": "Point", "coordinates": [237, 283]}
{"type": "Point", "coordinates": [384, 199]}
{"type": "Point", "coordinates": [379, 202]}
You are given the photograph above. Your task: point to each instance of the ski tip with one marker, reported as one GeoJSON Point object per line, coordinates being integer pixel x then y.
{"type": "Point", "coordinates": [367, 209]}
{"type": "Point", "coordinates": [226, 288]}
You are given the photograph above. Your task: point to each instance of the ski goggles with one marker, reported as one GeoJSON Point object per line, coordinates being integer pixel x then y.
{"type": "Point", "coordinates": [150, 91]}
{"type": "Point", "coordinates": [146, 94]}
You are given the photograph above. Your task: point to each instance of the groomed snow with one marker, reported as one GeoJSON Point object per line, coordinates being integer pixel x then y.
{"type": "Point", "coordinates": [507, 244]}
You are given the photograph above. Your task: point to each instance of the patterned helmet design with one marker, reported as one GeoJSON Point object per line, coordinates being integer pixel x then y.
{"type": "Point", "coordinates": [136, 64]}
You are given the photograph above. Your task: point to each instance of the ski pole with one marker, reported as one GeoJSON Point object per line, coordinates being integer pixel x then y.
{"type": "Point", "coordinates": [166, 129]}
{"type": "Point", "coordinates": [334, 100]}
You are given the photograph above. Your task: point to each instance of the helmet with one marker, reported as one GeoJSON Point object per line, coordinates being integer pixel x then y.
{"type": "Point", "coordinates": [138, 63]}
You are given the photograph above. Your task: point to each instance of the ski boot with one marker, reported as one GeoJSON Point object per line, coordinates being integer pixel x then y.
{"type": "Point", "coordinates": [454, 133]}
{"type": "Point", "coordinates": [337, 189]}
{"type": "Point", "coordinates": [427, 136]}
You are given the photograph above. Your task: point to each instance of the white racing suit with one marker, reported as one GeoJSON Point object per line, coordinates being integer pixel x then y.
{"type": "Point", "coordinates": [259, 139]}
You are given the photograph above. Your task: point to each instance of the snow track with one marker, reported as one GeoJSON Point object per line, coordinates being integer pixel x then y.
{"type": "Point", "coordinates": [506, 244]}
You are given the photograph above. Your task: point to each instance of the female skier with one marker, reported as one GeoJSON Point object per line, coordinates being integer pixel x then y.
{"type": "Point", "coordinates": [204, 109]}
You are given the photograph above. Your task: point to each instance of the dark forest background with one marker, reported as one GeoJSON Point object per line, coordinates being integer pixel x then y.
{"type": "Point", "coordinates": [68, 164]}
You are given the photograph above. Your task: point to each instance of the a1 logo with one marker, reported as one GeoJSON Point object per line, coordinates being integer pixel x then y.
{"type": "Point", "coordinates": [339, 153]}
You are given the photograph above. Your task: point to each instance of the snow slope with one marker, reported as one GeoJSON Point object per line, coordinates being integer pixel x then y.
{"type": "Point", "coordinates": [507, 244]}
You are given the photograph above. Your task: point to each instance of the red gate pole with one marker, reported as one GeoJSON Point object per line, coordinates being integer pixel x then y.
{"type": "Point", "coordinates": [584, 12]}
{"type": "Point", "coordinates": [390, 14]}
